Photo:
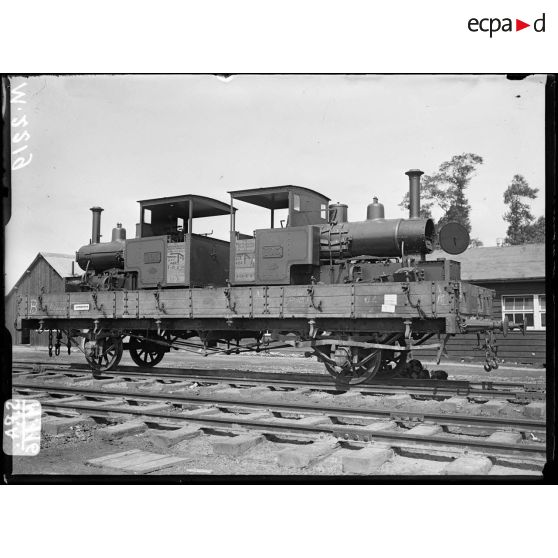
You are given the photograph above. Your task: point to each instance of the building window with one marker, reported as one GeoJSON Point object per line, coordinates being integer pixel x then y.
{"type": "Point", "coordinates": [526, 309]}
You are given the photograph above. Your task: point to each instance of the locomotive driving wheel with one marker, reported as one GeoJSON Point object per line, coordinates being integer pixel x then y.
{"type": "Point", "coordinates": [145, 352]}
{"type": "Point", "coordinates": [351, 365]}
{"type": "Point", "coordinates": [106, 354]}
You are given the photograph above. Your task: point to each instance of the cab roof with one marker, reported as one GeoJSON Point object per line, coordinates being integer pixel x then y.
{"type": "Point", "coordinates": [178, 206]}
{"type": "Point", "coordinates": [274, 197]}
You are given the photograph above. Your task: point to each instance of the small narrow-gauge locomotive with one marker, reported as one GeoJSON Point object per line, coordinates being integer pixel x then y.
{"type": "Point", "coordinates": [360, 296]}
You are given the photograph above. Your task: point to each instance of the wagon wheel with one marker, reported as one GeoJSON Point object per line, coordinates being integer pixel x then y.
{"type": "Point", "coordinates": [355, 366]}
{"type": "Point", "coordinates": [111, 353]}
{"type": "Point", "coordinates": [146, 353]}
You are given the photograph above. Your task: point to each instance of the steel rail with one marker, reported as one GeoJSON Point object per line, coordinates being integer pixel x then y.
{"type": "Point", "coordinates": [433, 388]}
{"type": "Point", "coordinates": [536, 452]}
{"type": "Point", "coordinates": [430, 391]}
{"type": "Point", "coordinates": [250, 374]}
{"type": "Point", "coordinates": [493, 423]}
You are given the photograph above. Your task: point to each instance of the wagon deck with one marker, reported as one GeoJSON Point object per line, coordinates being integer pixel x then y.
{"type": "Point", "coordinates": [440, 301]}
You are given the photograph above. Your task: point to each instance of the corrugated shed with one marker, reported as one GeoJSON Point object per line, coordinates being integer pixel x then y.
{"type": "Point", "coordinates": [499, 263]}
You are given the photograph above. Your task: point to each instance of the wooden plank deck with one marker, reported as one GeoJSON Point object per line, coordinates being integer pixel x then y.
{"type": "Point", "coordinates": [360, 300]}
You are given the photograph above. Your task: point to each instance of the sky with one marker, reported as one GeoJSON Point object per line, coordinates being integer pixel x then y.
{"type": "Point", "coordinates": [113, 140]}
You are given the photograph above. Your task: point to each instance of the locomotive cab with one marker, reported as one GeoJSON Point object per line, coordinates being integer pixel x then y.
{"type": "Point", "coordinates": [279, 255]}
{"type": "Point", "coordinates": [168, 253]}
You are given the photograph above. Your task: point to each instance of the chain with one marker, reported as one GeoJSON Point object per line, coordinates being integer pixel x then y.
{"type": "Point", "coordinates": [490, 351]}
{"type": "Point", "coordinates": [50, 342]}
{"type": "Point", "coordinates": [57, 344]}
{"type": "Point", "coordinates": [228, 296]}
{"type": "Point", "coordinates": [417, 307]}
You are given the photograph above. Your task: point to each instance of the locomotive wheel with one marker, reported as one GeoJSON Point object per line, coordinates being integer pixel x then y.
{"type": "Point", "coordinates": [358, 366]}
{"type": "Point", "coordinates": [111, 353]}
{"type": "Point", "coordinates": [145, 353]}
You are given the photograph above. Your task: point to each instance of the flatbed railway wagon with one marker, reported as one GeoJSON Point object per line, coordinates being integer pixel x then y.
{"type": "Point", "coordinates": [360, 296]}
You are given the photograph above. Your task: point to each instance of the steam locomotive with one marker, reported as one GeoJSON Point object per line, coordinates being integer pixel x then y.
{"type": "Point", "coordinates": [360, 296]}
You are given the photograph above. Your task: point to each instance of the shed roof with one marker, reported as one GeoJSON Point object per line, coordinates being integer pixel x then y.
{"type": "Point", "coordinates": [273, 197]}
{"type": "Point", "coordinates": [62, 263]}
{"type": "Point", "coordinates": [499, 263]}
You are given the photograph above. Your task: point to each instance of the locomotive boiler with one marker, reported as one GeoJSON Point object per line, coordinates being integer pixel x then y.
{"type": "Point", "coordinates": [382, 237]}
{"type": "Point", "coordinates": [361, 296]}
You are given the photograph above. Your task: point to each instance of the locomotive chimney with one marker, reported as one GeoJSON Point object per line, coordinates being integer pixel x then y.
{"type": "Point", "coordinates": [96, 228]}
{"type": "Point", "coordinates": [414, 192]}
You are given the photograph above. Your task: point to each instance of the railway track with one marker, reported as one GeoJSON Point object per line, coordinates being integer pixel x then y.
{"type": "Point", "coordinates": [272, 412]}
{"type": "Point", "coordinates": [511, 391]}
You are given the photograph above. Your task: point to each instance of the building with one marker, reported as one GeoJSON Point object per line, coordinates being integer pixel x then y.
{"type": "Point", "coordinates": [517, 274]}
{"type": "Point", "coordinates": [48, 271]}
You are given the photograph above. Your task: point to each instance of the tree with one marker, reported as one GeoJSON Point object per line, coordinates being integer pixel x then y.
{"type": "Point", "coordinates": [475, 243]}
{"type": "Point", "coordinates": [522, 228]}
{"type": "Point", "coordinates": [536, 231]}
{"type": "Point", "coordinates": [446, 189]}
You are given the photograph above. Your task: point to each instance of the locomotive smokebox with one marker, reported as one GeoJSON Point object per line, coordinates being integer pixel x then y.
{"type": "Point", "coordinates": [414, 192]}
{"type": "Point", "coordinates": [96, 226]}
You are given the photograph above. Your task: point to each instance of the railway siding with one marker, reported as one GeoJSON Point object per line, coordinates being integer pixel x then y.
{"type": "Point", "coordinates": [236, 431]}
{"type": "Point", "coordinates": [240, 422]}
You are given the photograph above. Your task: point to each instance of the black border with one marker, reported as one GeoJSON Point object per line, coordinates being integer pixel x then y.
{"type": "Point", "coordinates": [550, 470]}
